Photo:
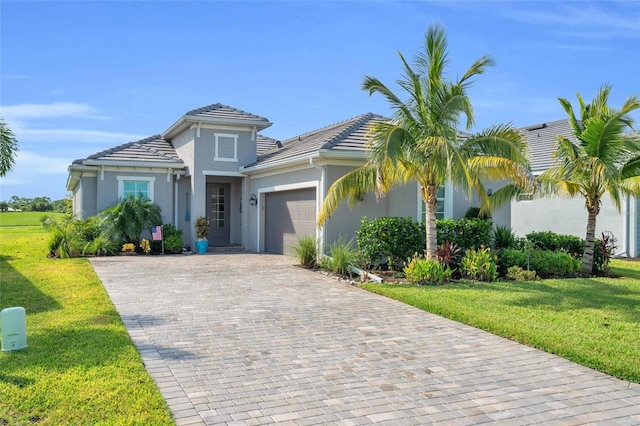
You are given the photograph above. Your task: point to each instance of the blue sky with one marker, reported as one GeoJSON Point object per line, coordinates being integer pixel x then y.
{"type": "Point", "coordinates": [80, 77]}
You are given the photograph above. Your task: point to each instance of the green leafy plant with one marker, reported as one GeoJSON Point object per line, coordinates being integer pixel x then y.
{"type": "Point", "coordinates": [516, 273]}
{"type": "Point", "coordinates": [479, 265]}
{"type": "Point", "coordinates": [426, 271]}
{"type": "Point", "coordinates": [63, 238]}
{"type": "Point", "coordinates": [306, 250]}
{"type": "Point", "coordinates": [342, 258]}
{"type": "Point", "coordinates": [390, 239]}
{"type": "Point", "coordinates": [202, 228]}
{"type": "Point", "coordinates": [101, 245]}
{"type": "Point", "coordinates": [503, 237]}
{"type": "Point", "coordinates": [475, 213]}
{"type": "Point", "coordinates": [464, 233]}
{"type": "Point", "coordinates": [546, 263]}
{"type": "Point", "coordinates": [127, 219]}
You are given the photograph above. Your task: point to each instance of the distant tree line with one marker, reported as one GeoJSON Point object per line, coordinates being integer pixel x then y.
{"type": "Point", "coordinates": [37, 204]}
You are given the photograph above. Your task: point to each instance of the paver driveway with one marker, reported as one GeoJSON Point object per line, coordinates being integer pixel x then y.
{"type": "Point", "coordinates": [252, 339]}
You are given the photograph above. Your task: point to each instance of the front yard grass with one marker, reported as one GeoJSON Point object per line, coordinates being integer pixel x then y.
{"type": "Point", "coordinates": [80, 366]}
{"type": "Point", "coordinates": [591, 321]}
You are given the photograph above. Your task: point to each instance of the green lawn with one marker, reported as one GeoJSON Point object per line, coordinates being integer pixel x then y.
{"type": "Point", "coordinates": [80, 366]}
{"type": "Point", "coordinates": [591, 321]}
{"type": "Point", "coordinates": [23, 218]}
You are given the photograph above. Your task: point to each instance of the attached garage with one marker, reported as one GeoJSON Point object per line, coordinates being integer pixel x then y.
{"type": "Point", "coordinates": [288, 215]}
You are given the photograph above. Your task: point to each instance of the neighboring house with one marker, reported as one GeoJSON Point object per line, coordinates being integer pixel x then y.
{"type": "Point", "coordinates": [569, 216]}
{"type": "Point", "coordinates": [257, 192]}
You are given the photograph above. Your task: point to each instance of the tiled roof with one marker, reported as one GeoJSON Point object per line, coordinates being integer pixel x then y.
{"type": "Point", "coordinates": [345, 136]}
{"type": "Point", "coordinates": [152, 149]}
{"type": "Point", "coordinates": [224, 112]}
{"type": "Point", "coordinates": [543, 141]}
{"type": "Point", "coordinates": [265, 143]}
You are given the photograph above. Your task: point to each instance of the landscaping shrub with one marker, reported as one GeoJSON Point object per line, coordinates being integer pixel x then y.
{"type": "Point", "coordinates": [306, 250]}
{"type": "Point", "coordinates": [464, 233]}
{"type": "Point", "coordinates": [551, 241]}
{"type": "Point", "coordinates": [426, 271]}
{"type": "Point", "coordinates": [503, 238]}
{"type": "Point", "coordinates": [546, 263]}
{"type": "Point", "coordinates": [173, 241]}
{"type": "Point", "coordinates": [474, 213]}
{"type": "Point", "coordinates": [101, 245]}
{"type": "Point", "coordinates": [516, 273]}
{"type": "Point", "coordinates": [342, 258]}
{"type": "Point", "coordinates": [449, 254]}
{"type": "Point", "coordinates": [479, 265]}
{"type": "Point", "coordinates": [130, 217]}
{"type": "Point", "coordinates": [390, 238]}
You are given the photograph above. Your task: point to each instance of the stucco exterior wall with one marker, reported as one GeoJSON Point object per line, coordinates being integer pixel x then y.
{"type": "Point", "coordinates": [303, 178]}
{"type": "Point", "coordinates": [88, 197]}
{"type": "Point", "coordinates": [461, 204]}
{"type": "Point", "coordinates": [564, 216]}
{"type": "Point", "coordinates": [205, 150]}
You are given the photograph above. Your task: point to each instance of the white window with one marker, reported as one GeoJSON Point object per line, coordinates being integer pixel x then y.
{"type": "Point", "coordinates": [444, 206]}
{"type": "Point", "coordinates": [226, 147]}
{"type": "Point", "coordinates": [136, 186]}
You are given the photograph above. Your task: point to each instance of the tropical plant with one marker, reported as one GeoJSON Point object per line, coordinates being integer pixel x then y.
{"type": "Point", "coordinates": [8, 148]}
{"type": "Point", "coordinates": [599, 158]}
{"type": "Point", "coordinates": [479, 265]}
{"type": "Point", "coordinates": [306, 250]}
{"type": "Point", "coordinates": [426, 271]}
{"type": "Point", "coordinates": [503, 237]}
{"type": "Point", "coordinates": [422, 142]}
{"type": "Point", "coordinates": [202, 228]}
{"type": "Point", "coordinates": [101, 245]}
{"type": "Point", "coordinates": [516, 273]}
{"type": "Point", "coordinates": [62, 240]}
{"type": "Point", "coordinates": [448, 254]}
{"type": "Point", "coordinates": [129, 217]}
{"type": "Point", "coordinates": [342, 258]}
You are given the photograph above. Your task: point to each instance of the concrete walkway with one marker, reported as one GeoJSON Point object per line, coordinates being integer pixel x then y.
{"type": "Point", "coordinates": [252, 339]}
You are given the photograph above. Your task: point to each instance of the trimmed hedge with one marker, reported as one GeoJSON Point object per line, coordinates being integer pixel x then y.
{"type": "Point", "coordinates": [468, 234]}
{"type": "Point", "coordinates": [546, 263]}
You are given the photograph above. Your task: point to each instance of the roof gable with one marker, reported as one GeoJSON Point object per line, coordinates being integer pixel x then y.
{"type": "Point", "coordinates": [224, 112]}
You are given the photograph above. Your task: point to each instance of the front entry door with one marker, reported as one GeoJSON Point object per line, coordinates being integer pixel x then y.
{"type": "Point", "coordinates": [218, 213]}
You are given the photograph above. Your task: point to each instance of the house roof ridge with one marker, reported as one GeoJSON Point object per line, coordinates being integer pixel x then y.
{"type": "Point", "coordinates": [217, 106]}
{"type": "Point", "coordinates": [121, 147]}
{"type": "Point", "coordinates": [357, 122]}
{"type": "Point", "coordinates": [143, 145]}
{"type": "Point", "coordinates": [337, 124]}
{"type": "Point", "coordinates": [543, 125]}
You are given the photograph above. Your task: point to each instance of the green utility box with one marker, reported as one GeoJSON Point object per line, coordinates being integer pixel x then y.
{"type": "Point", "coordinates": [13, 326]}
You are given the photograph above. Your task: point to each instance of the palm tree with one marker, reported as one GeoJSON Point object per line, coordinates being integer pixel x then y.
{"type": "Point", "coordinates": [602, 158]}
{"type": "Point", "coordinates": [130, 217]}
{"type": "Point", "coordinates": [422, 142]}
{"type": "Point", "coordinates": [8, 148]}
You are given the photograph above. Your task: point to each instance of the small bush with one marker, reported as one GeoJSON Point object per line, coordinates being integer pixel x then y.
{"type": "Point", "coordinates": [426, 271]}
{"type": "Point", "coordinates": [306, 250]}
{"type": "Point", "coordinates": [464, 233]}
{"type": "Point", "coordinates": [101, 245]}
{"type": "Point", "coordinates": [516, 273]}
{"type": "Point", "coordinates": [342, 258]}
{"type": "Point", "coordinates": [479, 265]}
{"type": "Point", "coordinates": [503, 238]}
{"type": "Point", "coordinates": [546, 263]}
{"type": "Point", "coordinates": [390, 239]}
{"type": "Point", "coordinates": [474, 213]}
{"type": "Point", "coordinates": [551, 241]}
{"type": "Point", "coordinates": [449, 254]}
{"type": "Point", "coordinates": [172, 238]}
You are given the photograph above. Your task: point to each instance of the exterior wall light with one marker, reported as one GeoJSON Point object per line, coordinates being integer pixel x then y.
{"type": "Point", "coordinates": [253, 200]}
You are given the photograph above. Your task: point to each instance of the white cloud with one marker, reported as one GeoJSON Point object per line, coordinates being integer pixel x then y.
{"type": "Point", "coordinates": [39, 164]}
{"type": "Point", "coordinates": [74, 135]}
{"type": "Point", "coordinates": [57, 109]}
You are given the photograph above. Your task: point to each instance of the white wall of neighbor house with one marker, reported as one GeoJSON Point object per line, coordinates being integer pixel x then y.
{"type": "Point", "coordinates": [569, 216]}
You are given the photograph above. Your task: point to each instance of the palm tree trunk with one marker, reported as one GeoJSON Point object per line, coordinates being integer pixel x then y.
{"type": "Point", "coordinates": [431, 202]}
{"type": "Point", "coordinates": [587, 256]}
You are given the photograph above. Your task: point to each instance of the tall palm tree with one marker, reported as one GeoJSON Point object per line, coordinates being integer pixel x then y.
{"type": "Point", "coordinates": [602, 158]}
{"type": "Point", "coordinates": [422, 141]}
{"type": "Point", "coordinates": [8, 148]}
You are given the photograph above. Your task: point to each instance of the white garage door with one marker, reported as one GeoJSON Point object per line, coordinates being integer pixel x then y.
{"type": "Point", "coordinates": [288, 216]}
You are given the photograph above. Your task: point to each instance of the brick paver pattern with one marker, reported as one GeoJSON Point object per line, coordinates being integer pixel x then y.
{"type": "Point", "coordinates": [251, 339]}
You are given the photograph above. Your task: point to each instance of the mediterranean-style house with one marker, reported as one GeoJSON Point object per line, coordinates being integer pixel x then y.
{"type": "Point", "coordinates": [262, 194]}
